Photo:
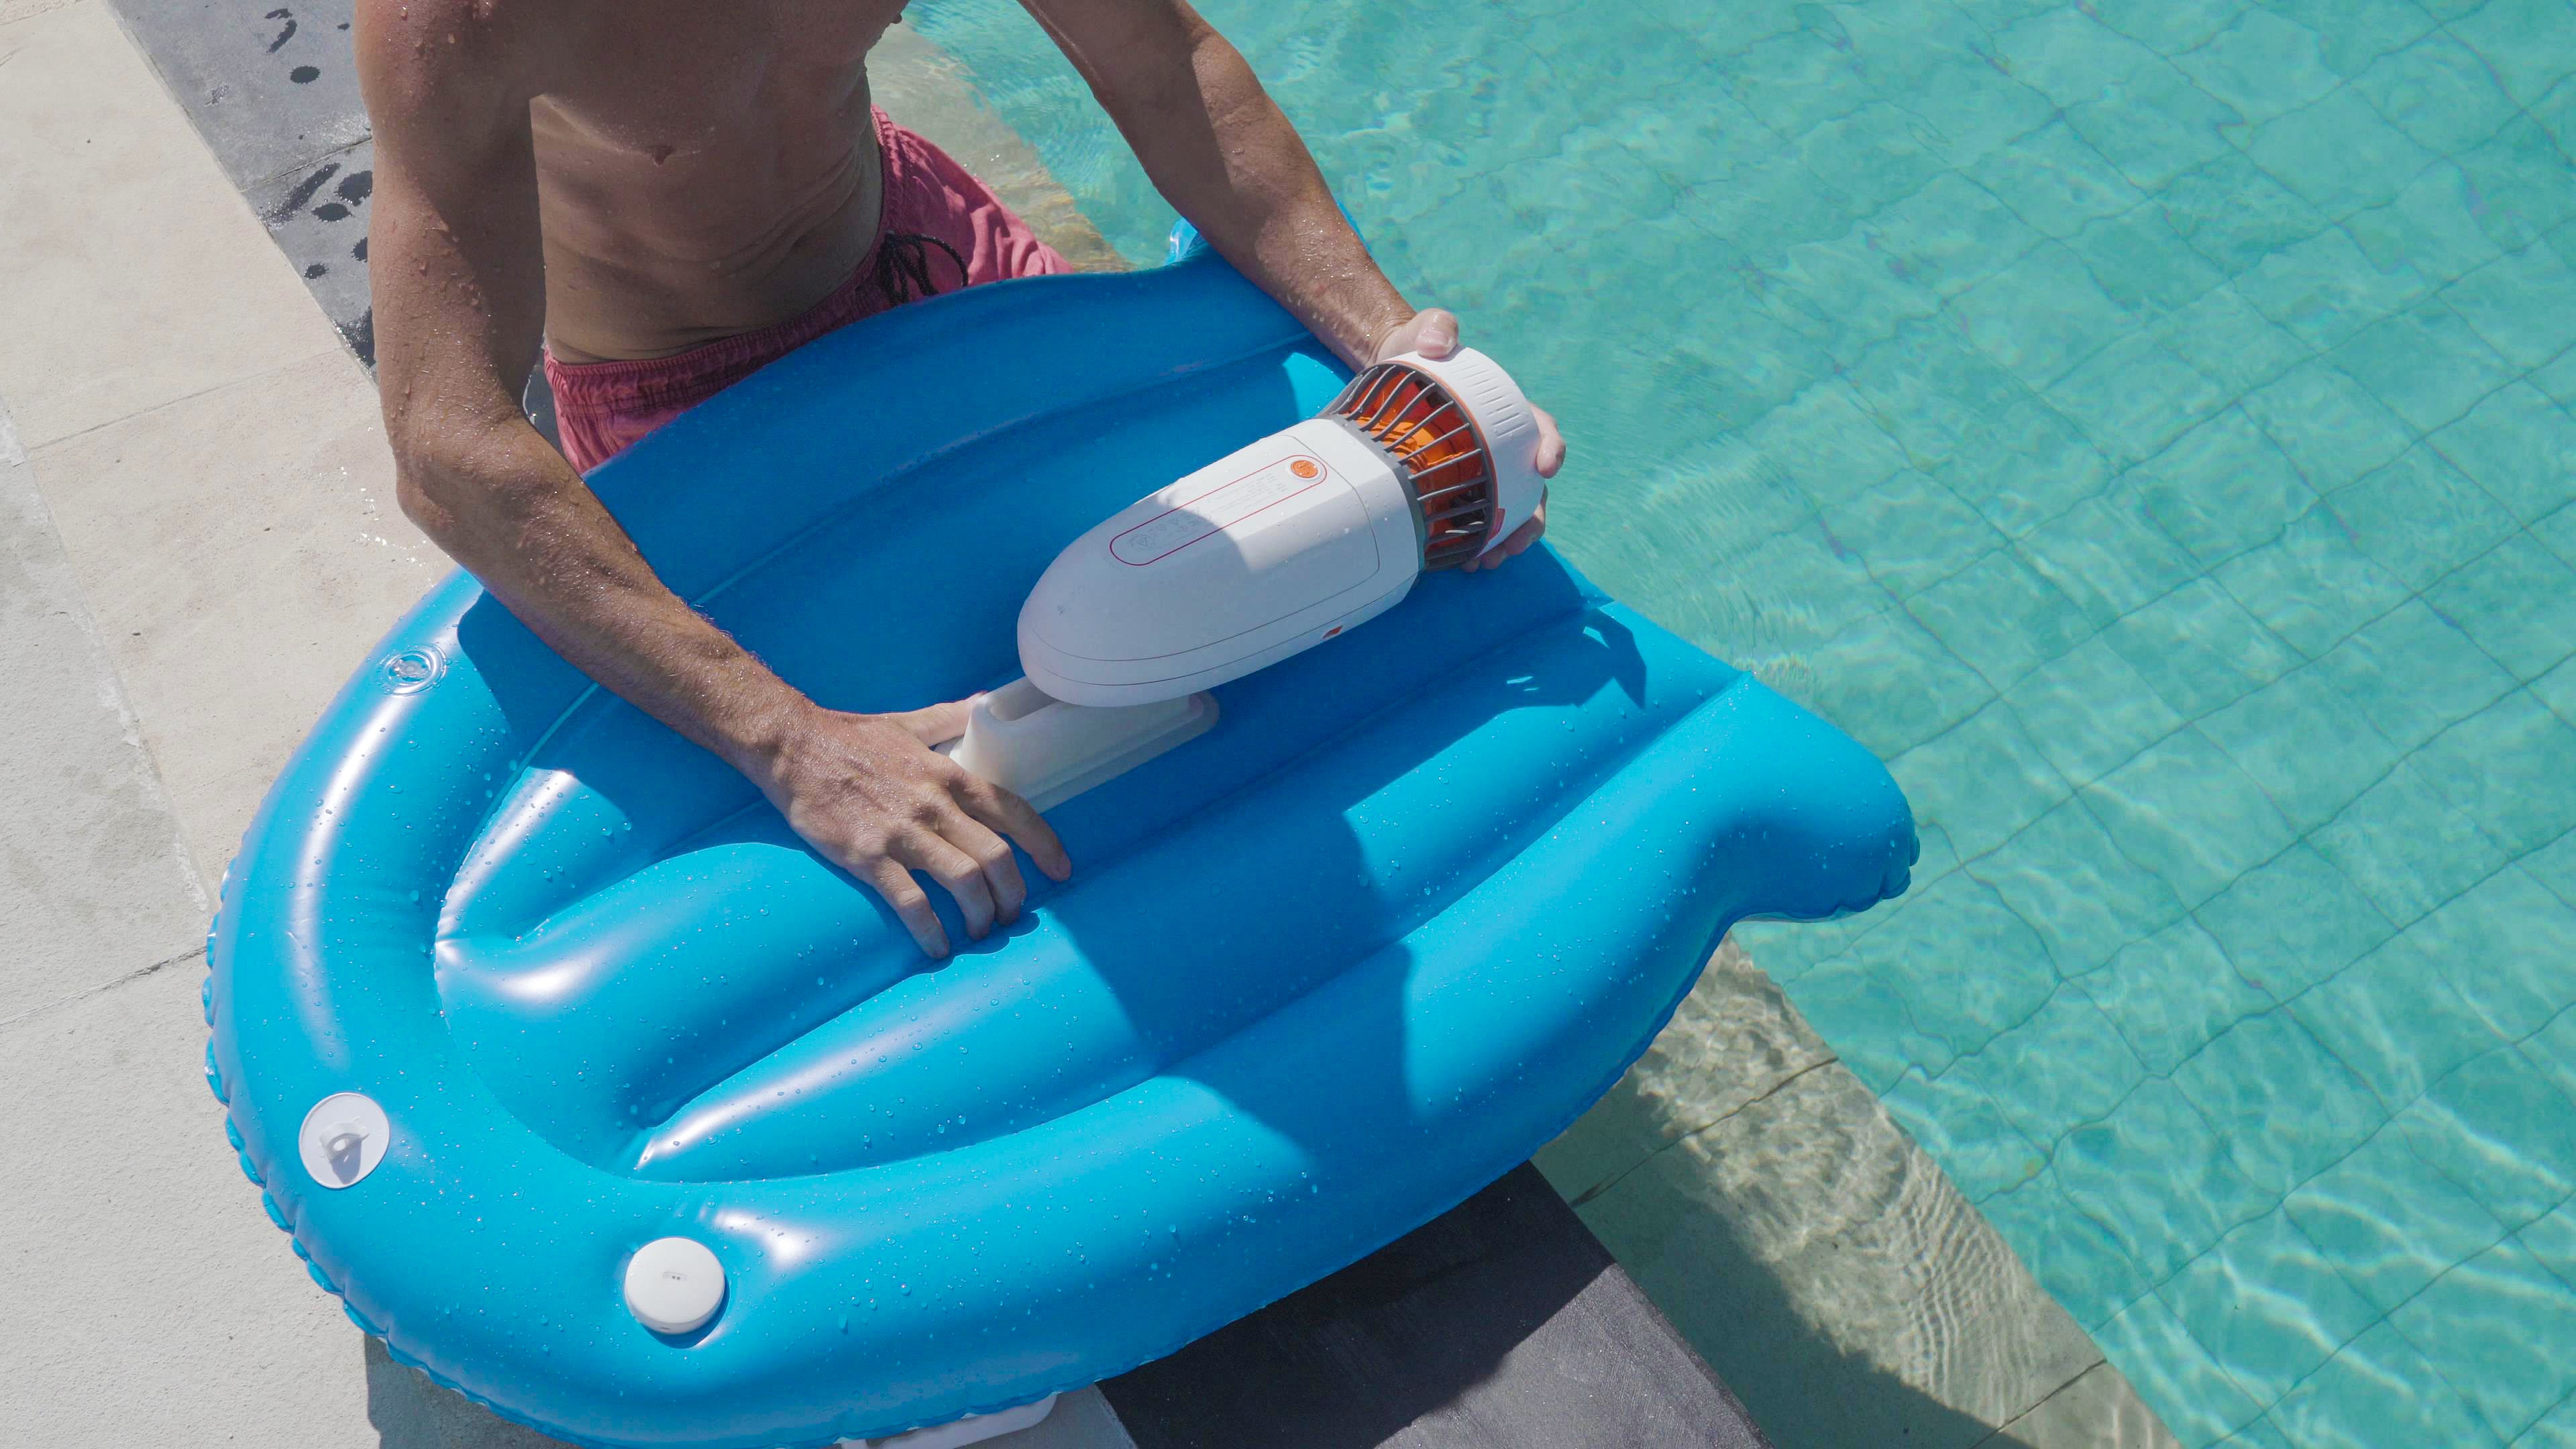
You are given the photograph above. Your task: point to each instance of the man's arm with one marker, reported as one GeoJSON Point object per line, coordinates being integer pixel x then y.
{"type": "Point", "coordinates": [458, 268]}
{"type": "Point", "coordinates": [1221, 152]}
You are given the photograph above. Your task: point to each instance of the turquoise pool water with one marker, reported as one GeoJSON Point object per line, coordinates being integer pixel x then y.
{"type": "Point", "coordinates": [2146, 423]}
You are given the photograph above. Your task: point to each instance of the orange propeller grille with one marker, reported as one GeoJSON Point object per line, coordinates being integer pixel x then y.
{"type": "Point", "coordinates": [1443, 459]}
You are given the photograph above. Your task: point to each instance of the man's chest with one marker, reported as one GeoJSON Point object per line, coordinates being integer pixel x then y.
{"type": "Point", "coordinates": [686, 66]}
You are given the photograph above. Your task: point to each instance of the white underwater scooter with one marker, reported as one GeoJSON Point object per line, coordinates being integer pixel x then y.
{"type": "Point", "coordinates": [1276, 547]}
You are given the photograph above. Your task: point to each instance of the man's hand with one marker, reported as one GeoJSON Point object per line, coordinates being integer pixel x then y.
{"type": "Point", "coordinates": [869, 793]}
{"type": "Point", "coordinates": [1433, 332]}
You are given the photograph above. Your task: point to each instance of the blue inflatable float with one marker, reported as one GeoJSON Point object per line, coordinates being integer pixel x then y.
{"type": "Point", "coordinates": [510, 982]}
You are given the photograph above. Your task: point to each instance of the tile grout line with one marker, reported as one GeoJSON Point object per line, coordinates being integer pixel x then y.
{"type": "Point", "coordinates": [129, 978]}
{"type": "Point", "coordinates": [336, 347]}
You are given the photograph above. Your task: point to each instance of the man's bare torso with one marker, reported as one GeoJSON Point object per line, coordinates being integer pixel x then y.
{"type": "Point", "coordinates": [703, 170]}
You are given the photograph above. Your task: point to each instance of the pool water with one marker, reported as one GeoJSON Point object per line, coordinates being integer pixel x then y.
{"type": "Point", "coordinates": [2147, 424]}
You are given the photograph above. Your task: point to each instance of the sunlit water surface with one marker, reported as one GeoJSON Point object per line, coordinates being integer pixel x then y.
{"type": "Point", "coordinates": [2146, 424]}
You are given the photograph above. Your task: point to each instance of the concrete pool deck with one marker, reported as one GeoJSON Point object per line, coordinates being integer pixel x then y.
{"type": "Point", "coordinates": [197, 543]}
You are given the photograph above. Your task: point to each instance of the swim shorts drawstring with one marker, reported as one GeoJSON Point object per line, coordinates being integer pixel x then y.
{"type": "Point", "coordinates": [903, 266]}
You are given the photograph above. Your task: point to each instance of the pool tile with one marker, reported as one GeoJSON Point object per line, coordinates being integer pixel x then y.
{"type": "Point", "coordinates": [2173, 1373]}
{"type": "Point", "coordinates": [2518, 602]}
{"type": "Point", "coordinates": [2107, 556]}
{"type": "Point", "coordinates": [2395, 1021]}
{"type": "Point", "coordinates": [1871, 155]}
{"type": "Point", "coordinates": [1762, 208]}
{"type": "Point", "coordinates": [2040, 345]}
{"type": "Point", "coordinates": [2389, 1222]}
{"type": "Point", "coordinates": [2520, 447]}
{"type": "Point", "coordinates": [2283, 1104]}
{"type": "Point", "coordinates": [2407, 847]}
{"type": "Point", "coordinates": [1972, 108]}
{"type": "Point", "coordinates": [1959, 1124]}
{"type": "Point", "coordinates": [1962, 965]}
{"type": "Point", "coordinates": [2222, 488]}
{"type": "Point", "coordinates": [2337, 153]}
{"type": "Point", "coordinates": [2024, 1069]}
{"type": "Point", "coordinates": [2303, 740]}
{"type": "Point", "coordinates": [2055, 181]}
{"type": "Point", "coordinates": [2135, 396]}
{"type": "Point", "coordinates": [2521, 175]}
{"type": "Point", "coordinates": [2024, 465]}
{"type": "Point", "coordinates": [2556, 1429]}
{"type": "Point", "coordinates": [2330, 426]}
{"type": "Point", "coordinates": [2263, 65]}
{"type": "Point", "coordinates": [1795, 80]}
{"type": "Point", "coordinates": [2551, 1238]}
{"type": "Point", "coordinates": [2437, 91]}
{"type": "Point", "coordinates": [2419, 517]}
{"type": "Point", "coordinates": [2502, 1329]}
{"type": "Point", "coordinates": [2078, 1260]}
{"type": "Point", "coordinates": [1981, 781]}
{"type": "Point", "coordinates": [2088, 711]}
{"type": "Point", "coordinates": [2379, 1390]}
{"type": "Point", "coordinates": [2188, 812]}
{"type": "Point", "coordinates": [2557, 690]}
{"type": "Point", "coordinates": [2001, 617]}
{"type": "Point", "coordinates": [2293, 921]}
{"type": "Point", "coordinates": [1888, 682]}
{"type": "Point", "coordinates": [1911, 532]}
{"type": "Point", "coordinates": [2171, 992]}
{"type": "Point", "coordinates": [1950, 235]}
{"type": "Point", "coordinates": [2311, 586]}
{"type": "Point", "coordinates": [2558, 532]}
{"type": "Point", "coordinates": [1824, 440]}
{"type": "Point", "coordinates": [2068, 56]}
{"type": "Point", "coordinates": [2502, 1133]}
{"type": "Point", "coordinates": [2523, 303]}
{"type": "Point", "coordinates": [2505, 945]}
{"type": "Point", "coordinates": [1857, 1008]}
{"type": "Point", "coordinates": [1930, 387]}
{"type": "Point", "coordinates": [2352, 36]}
{"type": "Point", "coordinates": [2426, 363]}
{"type": "Point", "coordinates": [2512, 768]}
{"type": "Point", "coordinates": [2413, 674]}
{"type": "Point", "coordinates": [2229, 340]}
{"type": "Point", "coordinates": [2554, 865]}
{"type": "Point", "coordinates": [2530, 43]}
{"type": "Point", "coordinates": [2325, 289]}
{"type": "Point", "coordinates": [2261, 1434]}
{"type": "Point", "coordinates": [2429, 231]}
{"type": "Point", "coordinates": [2266, 1303]}
{"type": "Point", "coordinates": [2155, 124]}
{"type": "Point", "coordinates": [2199, 649]}
{"type": "Point", "coordinates": [2142, 263]}
{"type": "Point", "coordinates": [2235, 214]}
{"type": "Point", "coordinates": [2157, 1177]}
{"type": "Point", "coordinates": [2168, 27]}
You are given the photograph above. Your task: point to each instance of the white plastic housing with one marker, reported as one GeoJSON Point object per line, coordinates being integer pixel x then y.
{"type": "Point", "coordinates": [1046, 752]}
{"type": "Point", "coordinates": [1268, 550]}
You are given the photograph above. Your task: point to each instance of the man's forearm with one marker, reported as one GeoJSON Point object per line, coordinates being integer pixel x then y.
{"type": "Point", "coordinates": [516, 516]}
{"type": "Point", "coordinates": [1222, 152]}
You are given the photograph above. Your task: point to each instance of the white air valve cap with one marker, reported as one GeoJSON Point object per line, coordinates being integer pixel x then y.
{"type": "Point", "coordinates": [342, 1140]}
{"type": "Point", "coordinates": [674, 1285]}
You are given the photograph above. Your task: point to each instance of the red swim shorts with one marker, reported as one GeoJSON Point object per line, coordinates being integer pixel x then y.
{"type": "Point", "coordinates": [939, 229]}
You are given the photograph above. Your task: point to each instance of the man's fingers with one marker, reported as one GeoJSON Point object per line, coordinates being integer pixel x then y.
{"type": "Point", "coordinates": [938, 724]}
{"type": "Point", "coordinates": [1433, 332]}
{"type": "Point", "coordinates": [1002, 811]}
{"type": "Point", "coordinates": [960, 873]}
{"type": "Point", "coordinates": [1551, 444]}
{"type": "Point", "coordinates": [1513, 545]}
{"type": "Point", "coordinates": [910, 903]}
{"type": "Point", "coordinates": [1000, 869]}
